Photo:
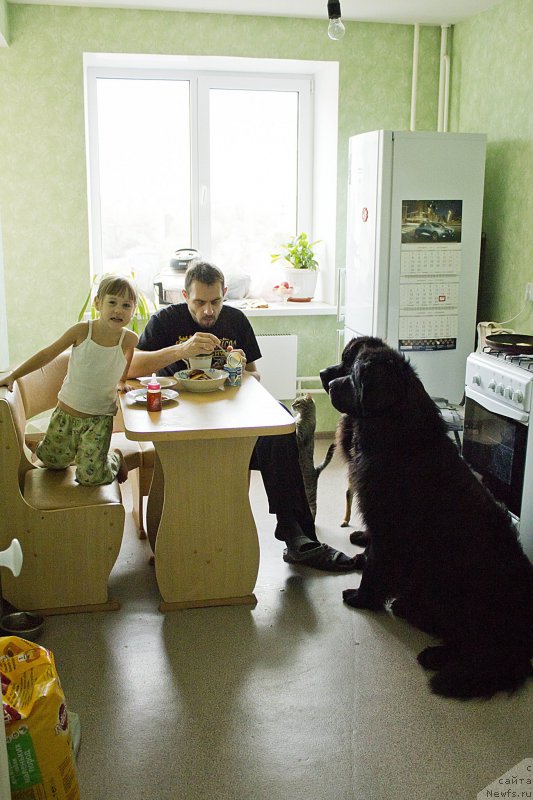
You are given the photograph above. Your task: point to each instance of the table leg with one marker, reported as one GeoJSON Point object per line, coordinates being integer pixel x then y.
{"type": "Point", "coordinates": [206, 549]}
{"type": "Point", "coordinates": [154, 505]}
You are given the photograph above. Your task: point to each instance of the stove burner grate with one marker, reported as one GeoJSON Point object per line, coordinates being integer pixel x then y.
{"type": "Point", "coordinates": [519, 360]}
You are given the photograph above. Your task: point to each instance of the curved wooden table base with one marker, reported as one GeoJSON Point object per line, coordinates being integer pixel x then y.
{"type": "Point", "coordinates": [199, 521]}
{"type": "Point", "coordinates": [206, 546]}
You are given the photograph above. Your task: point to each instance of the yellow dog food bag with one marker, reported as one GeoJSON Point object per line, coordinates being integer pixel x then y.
{"type": "Point", "coordinates": [38, 736]}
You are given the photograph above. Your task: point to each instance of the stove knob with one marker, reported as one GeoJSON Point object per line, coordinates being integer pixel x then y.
{"type": "Point", "coordinates": [476, 380]}
{"type": "Point", "coordinates": [518, 397]}
{"type": "Point", "coordinates": [492, 385]}
{"type": "Point", "coordinates": [500, 388]}
{"type": "Point", "coordinates": [508, 392]}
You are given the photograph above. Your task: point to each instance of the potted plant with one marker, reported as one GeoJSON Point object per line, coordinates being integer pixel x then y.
{"type": "Point", "coordinates": [299, 266]}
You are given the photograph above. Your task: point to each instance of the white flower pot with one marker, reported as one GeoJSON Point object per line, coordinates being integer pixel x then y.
{"type": "Point", "coordinates": [303, 281]}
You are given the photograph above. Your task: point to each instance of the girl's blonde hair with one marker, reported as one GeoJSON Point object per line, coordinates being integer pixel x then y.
{"type": "Point", "coordinates": [117, 285]}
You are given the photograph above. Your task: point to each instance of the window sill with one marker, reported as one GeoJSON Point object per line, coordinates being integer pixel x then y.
{"type": "Point", "coordinates": [311, 309]}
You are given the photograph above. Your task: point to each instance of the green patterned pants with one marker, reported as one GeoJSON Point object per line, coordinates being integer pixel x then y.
{"type": "Point", "coordinates": [83, 442]}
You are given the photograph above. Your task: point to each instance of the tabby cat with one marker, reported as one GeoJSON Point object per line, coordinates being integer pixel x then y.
{"type": "Point", "coordinates": [304, 410]}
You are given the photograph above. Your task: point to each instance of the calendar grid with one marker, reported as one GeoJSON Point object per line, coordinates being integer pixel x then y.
{"type": "Point", "coordinates": [429, 297]}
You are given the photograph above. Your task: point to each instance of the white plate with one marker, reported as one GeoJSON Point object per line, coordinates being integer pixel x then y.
{"type": "Point", "coordinates": [217, 378]}
{"type": "Point", "coordinates": [139, 395]}
{"type": "Point", "coordinates": [163, 381]}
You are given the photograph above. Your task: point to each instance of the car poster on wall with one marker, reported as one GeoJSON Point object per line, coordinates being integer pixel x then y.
{"type": "Point", "coordinates": [430, 221]}
{"type": "Point", "coordinates": [429, 274]}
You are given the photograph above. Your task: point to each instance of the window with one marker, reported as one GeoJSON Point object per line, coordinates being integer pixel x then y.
{"type": "Point", "coordinates": [217, 160]}
{"type": "Point", "coordinates": [141, 194]}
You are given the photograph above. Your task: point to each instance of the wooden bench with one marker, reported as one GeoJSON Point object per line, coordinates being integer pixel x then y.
{"type": "Point", "coordinates": [70, 534]}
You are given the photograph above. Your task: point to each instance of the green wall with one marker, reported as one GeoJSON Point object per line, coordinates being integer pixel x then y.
{"type": "Point", "coordinates": [42, 145]}
{"type": "Point", "coordinates": [492, 92]}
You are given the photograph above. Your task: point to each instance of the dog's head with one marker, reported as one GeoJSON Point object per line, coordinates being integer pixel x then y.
{"type": "Point", "coordinates": [349, 356]}
{"type": "Point", "coordinates": [373, 380]}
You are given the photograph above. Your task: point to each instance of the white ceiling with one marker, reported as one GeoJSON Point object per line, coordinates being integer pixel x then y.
{"type": "Point", "coordinates": [431, 12]}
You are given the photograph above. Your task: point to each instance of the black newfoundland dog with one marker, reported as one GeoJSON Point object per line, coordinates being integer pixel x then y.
{"type": "Point", "coordinates": [442, 552]}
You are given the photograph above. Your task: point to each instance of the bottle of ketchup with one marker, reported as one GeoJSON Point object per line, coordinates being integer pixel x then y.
{"type": "Point", "coordinates": [153, 394]}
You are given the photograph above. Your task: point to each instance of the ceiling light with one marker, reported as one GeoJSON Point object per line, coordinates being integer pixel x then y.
{"type": "Point", "coordinates": [336, 29]}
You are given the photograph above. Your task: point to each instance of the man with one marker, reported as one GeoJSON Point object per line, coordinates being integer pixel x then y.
{"type": "Point", "coordinates": [204, 325]}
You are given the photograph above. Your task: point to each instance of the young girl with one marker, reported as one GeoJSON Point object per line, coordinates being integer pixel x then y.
{"type": "Point", "coordinates": [81, 425]}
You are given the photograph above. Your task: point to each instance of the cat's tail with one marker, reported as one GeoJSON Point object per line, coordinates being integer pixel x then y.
{"type": "Point", "coordinates": [327, 459]}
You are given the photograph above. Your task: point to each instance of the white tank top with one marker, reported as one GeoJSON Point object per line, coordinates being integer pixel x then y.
{"type": "Point", "coordinates": [90, 385]}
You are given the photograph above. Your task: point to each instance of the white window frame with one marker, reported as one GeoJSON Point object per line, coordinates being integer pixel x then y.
{"type": "Point", "coordinates": [301, 85]}
{"type": "Point", "coordinates": [317, 179]}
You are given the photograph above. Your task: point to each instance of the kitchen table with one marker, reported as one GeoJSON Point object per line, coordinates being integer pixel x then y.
{"type": "Point", "coordinates": [199, 520]}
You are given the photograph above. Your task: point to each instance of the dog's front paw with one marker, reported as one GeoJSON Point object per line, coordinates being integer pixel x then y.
{"type": "Point", "coordinates": [358, 599]}
{"type": "Point", "coordinates": [361, 538]}
{"type": "Point", "coordinates": [360, 560]}
{"type": "Point", "coordinates": [434, 657]}
{"type": "Point", "coordinates": [351, 598]}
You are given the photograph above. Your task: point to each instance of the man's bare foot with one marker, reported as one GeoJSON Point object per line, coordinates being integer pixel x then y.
{"type": "Point", "coordinates": [122, 474]}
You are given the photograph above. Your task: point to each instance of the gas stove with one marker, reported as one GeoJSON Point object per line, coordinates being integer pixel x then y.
{"type": "Point", "coordinates": [497, 440]}
{"type": "Point", "coordinates": [506, 378]}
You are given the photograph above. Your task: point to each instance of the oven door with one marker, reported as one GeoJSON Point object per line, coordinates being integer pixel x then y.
{"type": "Point", "coordinates": [495, 446]}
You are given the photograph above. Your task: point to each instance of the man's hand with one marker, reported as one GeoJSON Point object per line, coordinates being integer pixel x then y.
{"type": "Point", "coordinates": [231, 349]}
{"type": "Point", "coordinates": [198, 345]}
{"type": "Point", "coordinates": [250, 367]}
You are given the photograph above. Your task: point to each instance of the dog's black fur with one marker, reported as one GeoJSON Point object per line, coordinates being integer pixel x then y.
{"type": "Point", "coordinates": [441, 548]}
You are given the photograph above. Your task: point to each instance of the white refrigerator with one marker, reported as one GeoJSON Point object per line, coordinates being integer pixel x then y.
{"type": "Point", "coordinates": [413, 247]}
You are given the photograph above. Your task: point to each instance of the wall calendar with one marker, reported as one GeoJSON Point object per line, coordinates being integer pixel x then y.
{"type": "Point", "coordinates": [430, 269]}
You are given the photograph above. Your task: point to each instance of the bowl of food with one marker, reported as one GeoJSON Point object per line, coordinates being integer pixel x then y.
{"type": "Point", "coordinates": [200, 380]}
{"type": "Point", "coordinates": [22, 623]}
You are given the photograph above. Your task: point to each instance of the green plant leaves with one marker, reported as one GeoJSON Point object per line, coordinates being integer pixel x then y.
{"type": "Point", "coordinates": [298, 253]}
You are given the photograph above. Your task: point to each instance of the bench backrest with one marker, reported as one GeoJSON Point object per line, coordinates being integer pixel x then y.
{"type": "Point", "coordinates": [14, 462]}
{"type": "Point", "coordinates": [39, 389]}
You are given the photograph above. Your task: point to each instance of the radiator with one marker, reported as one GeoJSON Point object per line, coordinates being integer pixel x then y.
{"type": "Point", "coordinates": [278, 364]}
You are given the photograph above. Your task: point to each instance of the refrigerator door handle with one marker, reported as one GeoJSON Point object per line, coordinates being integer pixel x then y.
{"type": "Point", "coordinates": [341, 290]}
{"type": "Point", "coordinates": [340, 345]}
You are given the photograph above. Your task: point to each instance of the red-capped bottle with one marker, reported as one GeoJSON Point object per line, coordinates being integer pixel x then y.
{"type": "Point", "coordinates": [153, 394]}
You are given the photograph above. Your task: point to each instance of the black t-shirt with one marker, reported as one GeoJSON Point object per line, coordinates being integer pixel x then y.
{"type": "Point", "coordinates": [174, 324]}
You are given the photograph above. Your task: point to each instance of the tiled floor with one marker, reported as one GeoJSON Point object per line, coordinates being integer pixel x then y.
{"type": "Point", "coordinates": [300, 698]}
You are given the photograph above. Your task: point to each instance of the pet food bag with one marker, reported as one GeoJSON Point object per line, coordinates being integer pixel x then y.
{"type": "Point", "coordinates": [38, 735]}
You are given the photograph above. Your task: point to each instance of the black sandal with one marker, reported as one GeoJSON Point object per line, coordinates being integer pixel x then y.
{"type": "Point", "coordinates": [318, 555]}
